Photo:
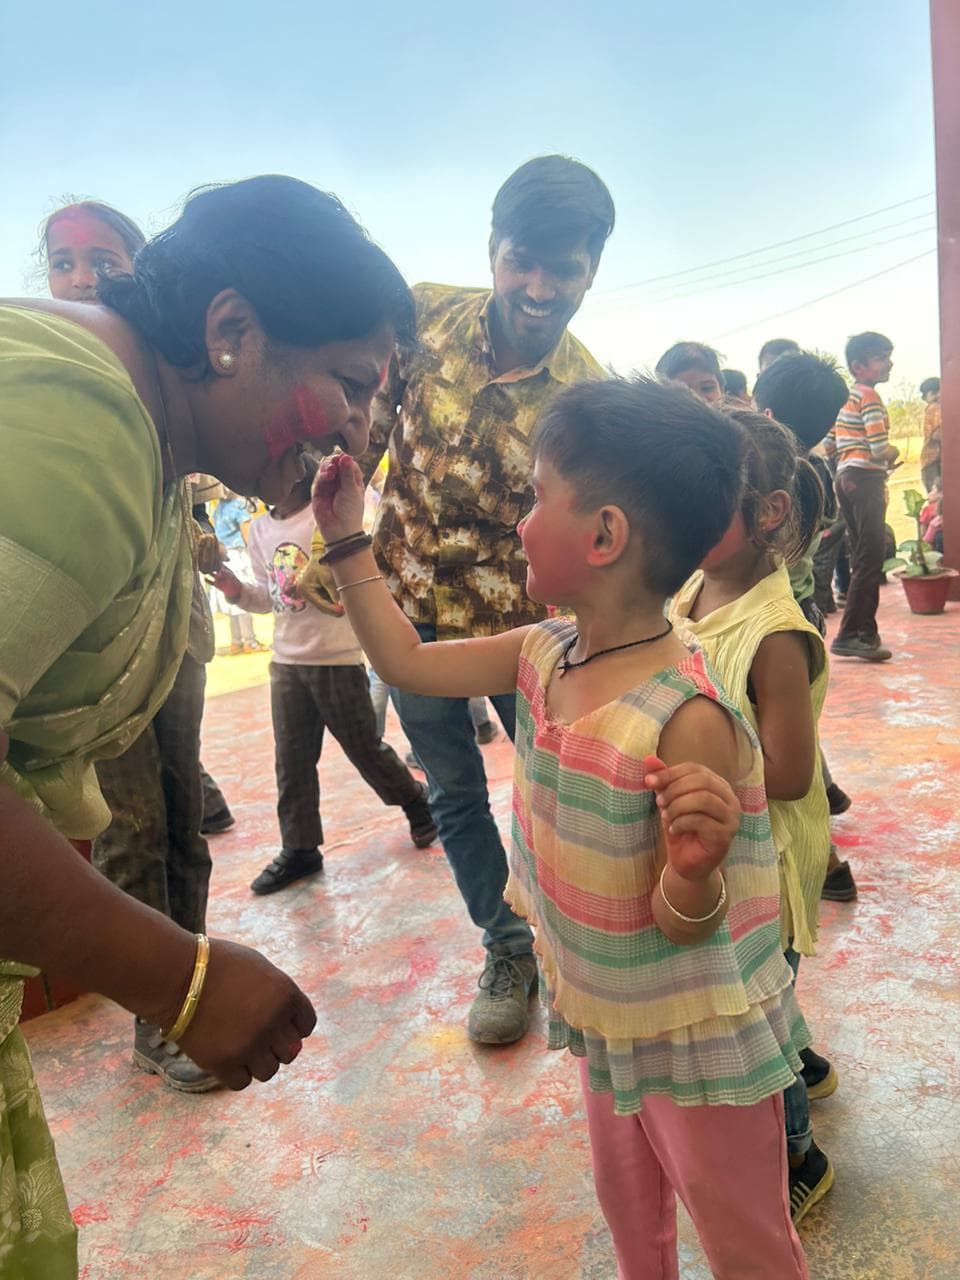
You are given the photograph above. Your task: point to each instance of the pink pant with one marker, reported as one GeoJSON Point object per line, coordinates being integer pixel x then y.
{"type": "Point", "coordinates": [727, 1164]}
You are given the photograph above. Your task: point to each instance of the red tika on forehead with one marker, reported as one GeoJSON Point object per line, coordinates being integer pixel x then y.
{"type": "Point", "coordinates": [83, 227]}
{"type": "Point", "coordinates": [299, 420]}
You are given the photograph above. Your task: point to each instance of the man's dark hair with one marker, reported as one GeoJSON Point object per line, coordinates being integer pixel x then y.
{"type": "Point", "coordinates": [688, 355]}
{"type": "Point", "coordinates": [803, 391]}
{"type": "Point", "coordinates": [864, 347]}
{"type": "Point", "coordinates": [929, 385]}
{"type": "Point", "coordinates": [734, 382]}
{"type": "Point", "coordinates": [664, 456]}
{"type": "Point", "coordinates": [776, 348]}
{"type": "Point", "coordinates": [552, 203]}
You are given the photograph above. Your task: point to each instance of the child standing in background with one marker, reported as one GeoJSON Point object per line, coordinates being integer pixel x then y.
{"type": "Point", "coordinates": [641, 843]}
{"type": "Point", "coordinates": [231, 516]}
{"type": "Point", "coordinates": [739, 608]}
{"type": "Point", "coordinates": [805, 392]}
{"type": "Point", "coordinates": [859, 441]}
{"type": "Point", "coordinates": [697, 366]}
{"type": "Point", "coordinates": [930, 464]}
{"type": "Point", "coordinates": [317, 682]}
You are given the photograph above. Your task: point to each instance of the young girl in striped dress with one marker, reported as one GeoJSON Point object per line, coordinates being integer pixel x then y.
{"type": "Point", "coordinates": [642, 850]}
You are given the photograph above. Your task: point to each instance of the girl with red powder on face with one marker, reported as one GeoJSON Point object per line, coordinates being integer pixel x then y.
{"type": "Point", "coordinates": [641, 846]}
{"type": "Point", "coordinates": [740, 610]}
{"type": "Point", "coordinates": [259, 288]}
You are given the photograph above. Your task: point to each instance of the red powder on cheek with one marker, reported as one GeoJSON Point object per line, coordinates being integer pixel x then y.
{"type": "Point", "coordinates": [299, 419]}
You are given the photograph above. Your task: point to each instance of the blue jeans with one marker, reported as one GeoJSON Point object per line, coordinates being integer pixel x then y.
{"type": "Point", "coordinates": [380, 693]}
{"type": "Point", "coordinates": [441, 733]}
{"type": "Point", "coordinates": [796, 1104]}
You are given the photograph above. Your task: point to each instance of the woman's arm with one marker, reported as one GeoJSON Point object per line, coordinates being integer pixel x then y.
{"type": "Point", "coordinates": [452, 669]}
{"type": "Point", "coordinates": [780, 678]}
{"type": "Point", "coordinates": [56, 912]}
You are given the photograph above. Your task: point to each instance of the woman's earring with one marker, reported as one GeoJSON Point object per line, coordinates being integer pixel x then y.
{"type": "Point", "coordinates": [225, 360]}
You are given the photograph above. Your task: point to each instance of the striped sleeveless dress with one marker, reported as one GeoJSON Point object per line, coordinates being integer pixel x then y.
{"type": "Point", "coordinates": [710, 1024]}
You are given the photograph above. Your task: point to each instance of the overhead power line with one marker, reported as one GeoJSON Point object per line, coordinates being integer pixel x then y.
{"type": "Point", "coordinates": [802, 253]}
{"type": "Point", "coordinates": [779, 244]}
{"type": "Point", "coordinates": [812, 302]}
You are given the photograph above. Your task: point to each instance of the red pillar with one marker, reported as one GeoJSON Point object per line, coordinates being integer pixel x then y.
{"type": "Point", "coordinates": [945, 36]}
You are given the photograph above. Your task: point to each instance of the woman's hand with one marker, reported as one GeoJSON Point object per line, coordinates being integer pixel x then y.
{"type": "Point", "coordinates": [250, 1019]}
{"type": "Point", "coordinates": [699, 813]}
{"type": "Point", "coordinates": [338, 498]}
{"type": "Point", "coordinates": [226, 582]}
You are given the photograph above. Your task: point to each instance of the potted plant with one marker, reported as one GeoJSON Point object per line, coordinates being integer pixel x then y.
{"type": "Point", "coordinates": [925, 580]}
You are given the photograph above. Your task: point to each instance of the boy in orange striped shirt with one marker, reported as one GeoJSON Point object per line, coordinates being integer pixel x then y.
{"type": "Point", "coordinates": [859, 443]}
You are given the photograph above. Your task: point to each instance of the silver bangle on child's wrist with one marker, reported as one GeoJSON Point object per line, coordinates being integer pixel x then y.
{"type": "Point", "coordinates": [694, 919]}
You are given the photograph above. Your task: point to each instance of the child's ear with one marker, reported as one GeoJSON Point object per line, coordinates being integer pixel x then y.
{"type": "Point", "coordinates": [775, 508]}
{"type": "Point", "coordinates": [609, 537]}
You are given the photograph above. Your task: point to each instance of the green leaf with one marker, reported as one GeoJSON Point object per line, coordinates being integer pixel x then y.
{"type": "Point", "coordinates": [913, 500]}
{"type": "Point", "coordinates": [894, 563]}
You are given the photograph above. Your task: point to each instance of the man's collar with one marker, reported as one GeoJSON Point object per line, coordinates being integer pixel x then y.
{"type": "Point", "coordinates": [485, 348]}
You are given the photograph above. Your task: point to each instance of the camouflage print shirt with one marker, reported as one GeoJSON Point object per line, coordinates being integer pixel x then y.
{"type": "Point", "coordinates": [459, 477]}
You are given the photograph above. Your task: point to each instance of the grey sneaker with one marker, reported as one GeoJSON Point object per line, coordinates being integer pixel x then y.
{"type": "Point", "coordinates": [857, 647]}
{"type": "Point", "coordinates": [164, 1059]}
{"type": "Point", "coordinates": [500, 1014]}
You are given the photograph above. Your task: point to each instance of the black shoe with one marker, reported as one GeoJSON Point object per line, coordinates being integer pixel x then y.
{"type": "Point", "coordinates": [828, 606]}
{"type": "Point", "coordinates": [423, 829]}
{"type": "Point", "coordinates": [486, 732]}
{"type": "Point", "coordinates": [837, 799]}
{"type": "Point", "coordinates": [289, 865]}
{"type": "Point", "coordinates": [168, 1061]}
{"type": "Point", "coordinates": [222, 820]}
{"type": "Point", "coordinates": [809, 1182]}
{"type": "Point", "coordinates": [819, 1075]}
{"type": "Point", "coordinates": [839, 886]}
{"type": "Point", "coordinates": [856, 647]}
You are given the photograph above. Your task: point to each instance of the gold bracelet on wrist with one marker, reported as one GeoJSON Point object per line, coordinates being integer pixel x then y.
{"type": "Point", "coordinates": [189, 1007]}
{"type": "Point", "coordinates": [694, 919]}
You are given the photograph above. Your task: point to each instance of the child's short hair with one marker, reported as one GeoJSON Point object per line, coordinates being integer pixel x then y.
{"type": "Point", "coordinates": [734, 382]}
{"type": "Point", "coordinates": [771, 462]}
{"type": "Point", "coordinates": [930, 386]}
{"type": "Point", "coordinates": [864, 347]}
{"type": "Point", "coordinates": [688, 355]}
{"type": "Point", "coordinates": [774, 349]}
{"type": "Point", "coordinates": [664, 456]}
{"type": "Point", "coordinates": [803, 391]}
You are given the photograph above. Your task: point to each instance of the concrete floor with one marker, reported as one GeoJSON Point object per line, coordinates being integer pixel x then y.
{"type": "Point", "coordinates": [396, 1148]}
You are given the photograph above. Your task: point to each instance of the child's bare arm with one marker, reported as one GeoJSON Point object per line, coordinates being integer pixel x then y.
{"type": "Point", "coordinates": [452, 669]}
{"type": "Point", "coordinates": [780, 676]}
{"type": "Point", "coordinates": [700, 815]}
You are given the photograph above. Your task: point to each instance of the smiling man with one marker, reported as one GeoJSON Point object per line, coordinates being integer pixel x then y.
{"type": "Point", "coordinates": [457, 416]}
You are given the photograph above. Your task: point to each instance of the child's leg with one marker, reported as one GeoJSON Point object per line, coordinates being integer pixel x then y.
{"type": "Point", "coordinates": [236, 635]}
{"type": "Point", "coordinates": [342, 695]}
{"type": "Point", "coordinates": [729, 1167]}
{"type": "Point", "coordinates": [298, 739]}
{"type": "Point", "coordinates": [638, 1202]}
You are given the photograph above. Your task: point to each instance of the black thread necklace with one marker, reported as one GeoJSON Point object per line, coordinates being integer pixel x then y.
{"type": "Point", "coordinates": [565, 665]}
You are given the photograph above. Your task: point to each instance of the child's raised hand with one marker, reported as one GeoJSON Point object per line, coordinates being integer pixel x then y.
{"type": "Point", "coordinates": [338, 497]}
{"type": "Point", "coordinates": [227, 583]}
{"type": "Point", "coordinates": [699, 812]}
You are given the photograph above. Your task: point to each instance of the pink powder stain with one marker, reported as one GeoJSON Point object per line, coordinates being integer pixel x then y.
{"type": "Point", "coordinates": [299, 419]}
{"type": "Point", "coordinates": [84, 1214]}
{"type": "Point", "coordinates": [82, 227]}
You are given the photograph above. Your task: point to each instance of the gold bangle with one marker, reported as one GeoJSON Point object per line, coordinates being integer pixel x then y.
{"type": "Point", "coordinates": [694, 919]}
{"type": "Point", "coordinates": [377, 577]}
{"type": "Point", "coordinates": [189, 1007]}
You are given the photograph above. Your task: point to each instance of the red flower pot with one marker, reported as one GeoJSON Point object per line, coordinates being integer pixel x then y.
{"type": "Point", "coordinates": [927, 592]}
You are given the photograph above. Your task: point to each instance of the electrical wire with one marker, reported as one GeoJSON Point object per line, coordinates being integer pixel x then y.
{"type": "Point", "coordinates": [752, 253]}
{"type": "Point", "coordinates": [855, 284]}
